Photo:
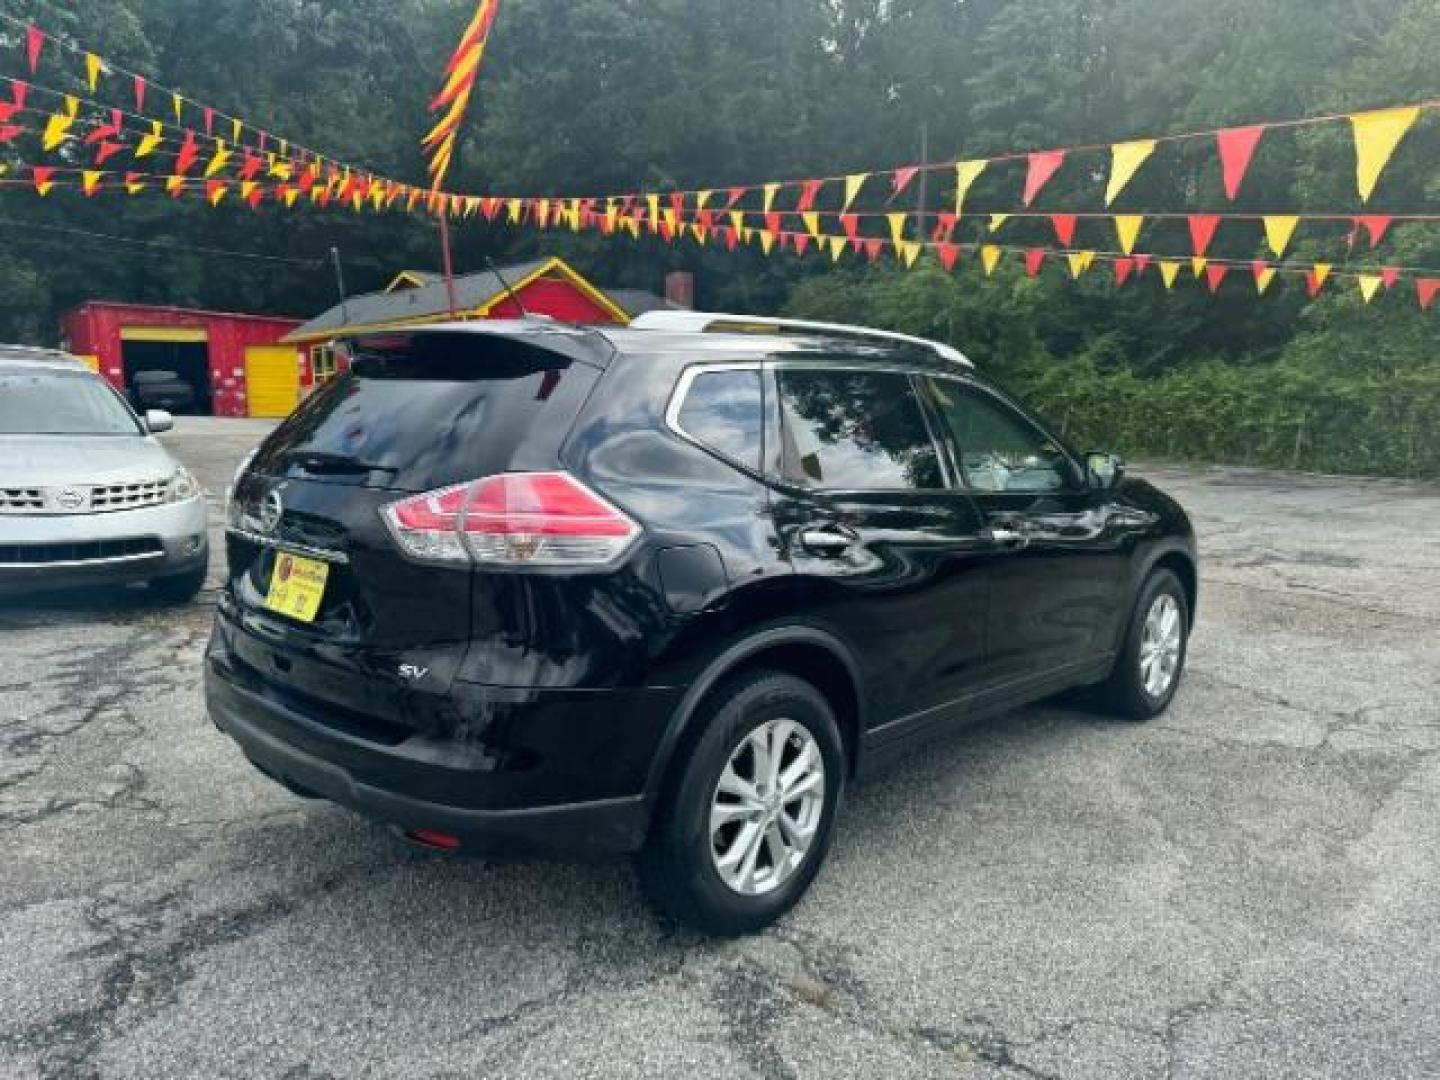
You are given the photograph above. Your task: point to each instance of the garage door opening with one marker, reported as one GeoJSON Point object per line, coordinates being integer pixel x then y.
{"type": "Point", "coordinates": [170, 375]}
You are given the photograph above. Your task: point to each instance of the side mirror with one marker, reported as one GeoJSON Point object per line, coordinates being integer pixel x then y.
{"type": "Point", "coordinates": [1105, 471]}
{"type": "Point", "coordinates": [158, 420]}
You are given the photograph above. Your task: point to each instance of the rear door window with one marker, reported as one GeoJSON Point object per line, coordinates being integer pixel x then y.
{"type": "Point", "coordinates": [855, 431]}
{"type": "Point", "coordinates": [724, 411]}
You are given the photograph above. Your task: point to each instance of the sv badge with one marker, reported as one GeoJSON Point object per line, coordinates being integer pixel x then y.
{"type": "Point", "coordinates": [413, 672]}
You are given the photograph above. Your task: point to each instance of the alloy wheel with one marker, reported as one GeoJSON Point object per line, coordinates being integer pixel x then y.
{"type": "Point", "coordinates": [767, 806]}
{"type": "Point", "coordinates": [1160, 646]}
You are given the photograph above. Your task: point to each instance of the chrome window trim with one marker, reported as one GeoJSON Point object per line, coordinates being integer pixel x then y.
{"type": "Point", "coordinates": [337, 558]}
{"type": "Point", "coordinates": [682, 391]}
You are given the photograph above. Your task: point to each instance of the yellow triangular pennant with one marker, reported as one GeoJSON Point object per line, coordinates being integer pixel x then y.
{"type": "Point", "coordinates": [1263, 278]}
{"type": "Point", "coordinates": [94, 67]}
{"type": "Point", "coordinates": [1080, 261]}
{"type": "Point", "coordinates": [1169, 272]}
{"type": "Point", "coordinates": [653, 202]}
{"type": "Point", "coordinates": [1322, 273]}
{"type": "Point", "coordinates": [767, 240]}
{"type": "Point", "coordinates": [179, 105]}
{"type": "Point", "coordinates": [515, 208]}
{"type": "Point", "coordinates": [967, 172]}
{"type": "Point", "coordinates": [217, 193]}
{"type": "Point", "coordinates": [737, 221]}
{"type": "Point", "coordinates": [853, 184]}
{"type": "Point", "coordinates": [219, 161]}
{"type": "Point", "coordinates": [57, 128]}
{"type": "Point", "coordinates": [837, 247]}
{"type": "Point", "coordinates": [702, 198]}
{"type": "Point", "coordinates": [897, 228]}
{"type": "Point", "coordinates": [771, 190]}
{"type": "Point", "coordinates": [812, 223]}
{"type": "Point", "coordinates": [1369, 285]}
{"type": "Point", "coordinates": [1278, 231]}
{"type": "Point", "coordinates": [1377, 134]}
{"type": "Point", "coordinates": [996, 220]}
{"type": "Point", "coordinates": [1127, 227]}
{"type": "Point", "coordinates": [90, 181]}
{"type": "Point", "coordinates": [990, 258]}
{"type": "Point", "coordinates": [1198, 264]}
{"type": "Point", "coordinates": [1126, 159]}
{"type": "Point", "coordinates": [910, 251]}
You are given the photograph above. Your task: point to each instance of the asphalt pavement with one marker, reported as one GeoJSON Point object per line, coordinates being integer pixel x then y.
{"type": "Point", "coordinates": [1246, 888]}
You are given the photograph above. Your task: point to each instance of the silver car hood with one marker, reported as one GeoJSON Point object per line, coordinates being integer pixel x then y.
{"type": "Point", "coordinates": [58, 460]}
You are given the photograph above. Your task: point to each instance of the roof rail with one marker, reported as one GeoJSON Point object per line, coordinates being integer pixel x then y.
{"type": "Point", "coordinates": [709, 322]}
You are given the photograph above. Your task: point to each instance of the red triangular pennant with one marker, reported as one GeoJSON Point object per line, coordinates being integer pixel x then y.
{"type": "Point", "coordinates": [1042, 167]}
{"type": "Point", "coordinates": [140, 93]}
{"type": "Point", "coordinates": [1427, 289]}
{"type": "Point", "coordinates": [10, 132]}
{"type": "Point", "coordinates": [34, 43]}
{"type": "Point", "coordinates": [735, 195]}
{"type": "Point", "coordinates": [1314, 282]}
{"type": "Point", "coordinates": [948, 253]}
{"type": "Point", "coordinates": [851, 224]}
{"type": "Point", "coordinates": [1390, 276]}
{"type": "Point", "coordinates": [1142, 263]}
{"type": "Point", "coordinates": [188, 155]}
{"type": "Point", "coordinates": [802, 243]}
{"type": "Point", "coordinates": [106, 150]}
{"type": "Point", "coordinates": [945, 227]}
{"type": "Point", "coordinates": [1259, 268]}
{"type": "Point", "coordinates": [1123, 269]}
{"type": "Point", "coordinates": [773, 222]}
{"type": "Point", "coordinates": [1064, 228]}
{"type": "Point", "coordinates": [1215, 275]}
{"type": "Point", "coordinates": [903, 176]}
{"type": "Point", "coordinates": [1202, 231]}
{"type": "Point", "coordinates": [874, 248]}
{"type": "Point", "coordinates": [1237, 148]}
{"type": "Point", "coordinates": [809, 191]}
{"type": "Point", "coordinates": [1377, 225]}
{"type": "Point", "coordinates": [209, 121]}
{"type": "Point", "coordinates": [1034, 259]}
{"type": "Point", "coordinates": [19, 92]}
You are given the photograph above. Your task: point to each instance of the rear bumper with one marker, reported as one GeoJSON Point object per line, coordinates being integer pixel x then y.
{"type": "Point", "coordinates": [178, 532]}
{"type": "Point", "coordinates": [501, 790]}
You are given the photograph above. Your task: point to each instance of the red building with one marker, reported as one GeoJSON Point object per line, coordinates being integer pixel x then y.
{"type": "Point", "coordinates": [252, 365]}
{"type": "Point", "coordinates": [237, 364]}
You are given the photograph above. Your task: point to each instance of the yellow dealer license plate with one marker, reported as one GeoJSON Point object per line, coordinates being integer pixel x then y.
{"type": "Point", "coordinates": [297, 586]}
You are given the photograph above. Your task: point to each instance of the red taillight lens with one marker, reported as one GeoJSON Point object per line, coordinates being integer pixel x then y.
{"type": "Point", "coordinates": [516, 519]}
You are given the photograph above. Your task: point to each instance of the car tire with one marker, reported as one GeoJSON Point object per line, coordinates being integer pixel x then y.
{"type": "Point", "coordinates": [1151, 664]}
{"type": "Point", "coordinates": [182, 588]}
{"type": "Point", "coordinates": [680, 868]}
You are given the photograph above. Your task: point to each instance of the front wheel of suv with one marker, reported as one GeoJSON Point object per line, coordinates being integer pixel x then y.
{"type": "Point", "coordinates": [1148, 671]}
{"type": "Point", "coordinates": [747, 820]}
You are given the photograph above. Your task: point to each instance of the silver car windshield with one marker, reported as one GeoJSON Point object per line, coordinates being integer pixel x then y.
{"type": "Point", "coordinates": [38, 403]}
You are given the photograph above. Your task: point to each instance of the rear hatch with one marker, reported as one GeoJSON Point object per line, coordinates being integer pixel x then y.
{"type": "Point", "coordinates": [416, 413]}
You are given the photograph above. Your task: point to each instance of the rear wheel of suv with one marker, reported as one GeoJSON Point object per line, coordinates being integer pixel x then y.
{"type": "Point", "coordinates": [747, 818]}
{"type": "Point", "coordinates": [1152, 661]}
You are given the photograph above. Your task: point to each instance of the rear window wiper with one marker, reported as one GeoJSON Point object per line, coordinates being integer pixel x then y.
{"type": "Point", "coordinates": [316, 462]}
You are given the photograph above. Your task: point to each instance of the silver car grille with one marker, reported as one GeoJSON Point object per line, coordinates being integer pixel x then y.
{"type": "Point", "coordinates": [22, 500]}
{"type": "Point", "coordinates": [127, 496]}
{"type": "Point", "coordinates": [77, 499]}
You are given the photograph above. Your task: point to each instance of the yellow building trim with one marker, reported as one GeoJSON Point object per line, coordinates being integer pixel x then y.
{"type": "Point", "coordinates": [90, 361]}
{"type": "Point", "coordinates": [406, 278]}
{"type": "Point", "coordinates": [552, 265]}
{"type": "Point", "coordinates": [175, 335]}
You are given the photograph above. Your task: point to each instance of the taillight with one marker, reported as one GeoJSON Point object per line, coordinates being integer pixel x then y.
{"type": "Point", "coordinates": [516, 519]}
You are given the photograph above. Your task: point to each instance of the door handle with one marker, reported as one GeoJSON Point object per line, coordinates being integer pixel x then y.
{"type": "Point", "coordinates": [1012, 535]}
{"type": "Point", "coordinates": [827, 540]}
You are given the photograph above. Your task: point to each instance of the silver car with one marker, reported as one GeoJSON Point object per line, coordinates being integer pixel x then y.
{"type": "Point", "coordinates": [87, 495]}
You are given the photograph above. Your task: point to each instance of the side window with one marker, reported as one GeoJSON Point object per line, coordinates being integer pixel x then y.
{"type": "Point", "coordinates": [724, 410]}
{"type": "Point", "coordinates": [1000, 451]}
{"type": "Point", "coordinates": [855, 431]}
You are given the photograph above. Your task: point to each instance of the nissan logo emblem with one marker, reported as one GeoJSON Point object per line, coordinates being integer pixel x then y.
{"type": "Point", "coordinates": [70, 499]}
{"type": "Point", "coordinates": [271, 511]}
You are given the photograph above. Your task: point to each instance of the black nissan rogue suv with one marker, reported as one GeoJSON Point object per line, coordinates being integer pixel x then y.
{"type": "Point", "coordinates": [520, 588]}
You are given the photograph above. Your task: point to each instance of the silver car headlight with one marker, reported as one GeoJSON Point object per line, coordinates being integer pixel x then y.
{"type": "Point", "coordinates": [183, 486]}
{"type": "Point", "coordinates": [232, 508]}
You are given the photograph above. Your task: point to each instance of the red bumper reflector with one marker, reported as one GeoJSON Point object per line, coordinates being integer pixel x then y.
{"type": "Point", "coordinates": [432, 839]}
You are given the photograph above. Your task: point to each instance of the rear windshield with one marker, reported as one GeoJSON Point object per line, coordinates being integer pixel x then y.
{"type": "Point", "coordinates": [35, 403]}
{"type": "Point", "coordinates": [415, 418]}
